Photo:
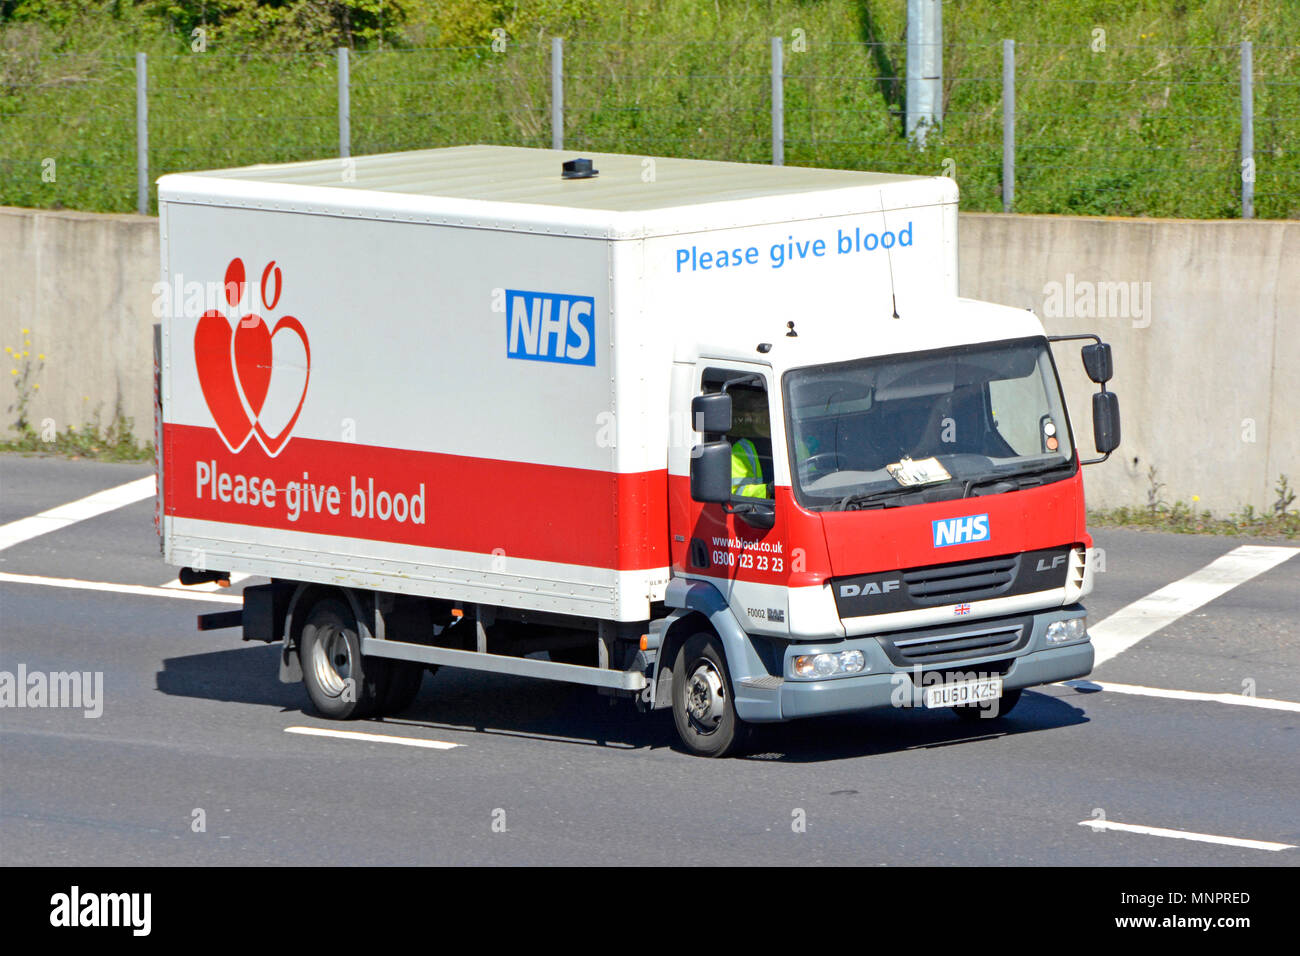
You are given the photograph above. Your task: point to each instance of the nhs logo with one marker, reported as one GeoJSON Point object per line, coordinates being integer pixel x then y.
{"type": "Point", "coordinates": [960, 530]}
{"type": "Point", "coordinates": [551, 327]}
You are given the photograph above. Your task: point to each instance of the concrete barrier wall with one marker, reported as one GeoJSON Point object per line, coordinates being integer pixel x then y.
{"type": "Point", "coordinates": [82, 284]}
{"type": "Point", "coordinates": [1203, 316]}
{"type": "Point", "coordinates": [1207, 350]}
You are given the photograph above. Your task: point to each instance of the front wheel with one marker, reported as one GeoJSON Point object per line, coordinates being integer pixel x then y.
{"type": "Point", "coordinates": [704, 708]}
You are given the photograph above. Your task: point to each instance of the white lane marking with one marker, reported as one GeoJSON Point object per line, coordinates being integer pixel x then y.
{"type": "Point", "coordinates": [1240, 700]}
{"type": "Point", "coordinates": [1144, 617]}
{"type": "Point", "coordinates": [1186, 835]}
{"type": "Point", "coordinates": [140, 589]}
{"type": "Point", "coordinates": [372, 738]}
{"type": "Point", "coordinates": [210, 586]}
{"type": "Point", "coordinates": [24, 529]}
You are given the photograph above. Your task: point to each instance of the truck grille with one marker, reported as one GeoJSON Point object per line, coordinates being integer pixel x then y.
{"type": "Point", "coordinates": [951, 644]}
{"type": "Point", "coordinates": [962, 582]}
{"type": "Point", "coordinates": [965, 581]}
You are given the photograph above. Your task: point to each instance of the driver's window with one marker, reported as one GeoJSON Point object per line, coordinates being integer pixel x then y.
{"type": "Point", "coordinates": [752, 475]}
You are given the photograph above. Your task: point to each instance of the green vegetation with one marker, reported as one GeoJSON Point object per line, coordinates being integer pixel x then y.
{"type": "Point", "coordinates": [115, 442]}
{"type": "Point", "coordinates": [1281, 520]}
{"type": "Point", "coordinates": [1149, 126]}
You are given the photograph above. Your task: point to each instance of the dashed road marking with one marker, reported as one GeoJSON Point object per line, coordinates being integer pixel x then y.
{"type": "Point", "coordinates": [24, 529]}
{"type": "Point", "coordinates": [1240, 700]}
{"type": "Point", "coordinates": [1186, 835]}
{"type": "Point", "coordinates": [1127, 626]}
{"type": "Point", "coordinates": [372, 738]}
{"type": "Point", "coordinates": [139, 589]}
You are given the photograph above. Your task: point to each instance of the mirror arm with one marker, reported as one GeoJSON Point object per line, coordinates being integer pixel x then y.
{"type": "Point", "coordinates": [748, 377]}
{"type": "Point", "coordinates": [760, 510]}
{"type": "Point", "coordinates": [1070, 338]}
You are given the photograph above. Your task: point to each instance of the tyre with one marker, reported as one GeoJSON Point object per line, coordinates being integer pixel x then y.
{"type": "Point", "coordinates": [341, 683]}
{"type": "Point", "coordinates": [404, 680]}
{"type": "Point", "coordinates": [703, 705]}
{"type": "Point", "coordinates": [980, 711]}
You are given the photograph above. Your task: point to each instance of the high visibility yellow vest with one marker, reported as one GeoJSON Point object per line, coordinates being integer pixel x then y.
{"type": "Point", "coordinates": [746, 473]}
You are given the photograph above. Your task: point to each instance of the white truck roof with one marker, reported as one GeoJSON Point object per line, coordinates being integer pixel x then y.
{"type": "Point", "coordinates": [522, 189]}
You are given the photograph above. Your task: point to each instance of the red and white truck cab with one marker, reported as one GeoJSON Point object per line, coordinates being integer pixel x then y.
{"type": "Point", "coordinates": [721, 438]}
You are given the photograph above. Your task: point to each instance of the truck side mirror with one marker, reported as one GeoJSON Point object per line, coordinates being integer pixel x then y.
{"type": "Point", "coordinates": [711, 469]}
{"type": "Point", "coordinates": [1105, 421]}
{"type": "Point", "coordinates": [1097, 363]}
{"type": "Point", "coordinates": [711, 413]}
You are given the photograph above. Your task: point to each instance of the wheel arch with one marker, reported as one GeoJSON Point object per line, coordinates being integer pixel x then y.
{"type": "Point", "coordinates": [305, 595]}
{"type": "Point", "coordinates": [700, 601]}
{"type": "Point", "coordinates": [680, 626]}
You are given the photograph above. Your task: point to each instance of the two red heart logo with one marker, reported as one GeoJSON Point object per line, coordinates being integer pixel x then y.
{"type": "Point", "coordinates": [235, 366]}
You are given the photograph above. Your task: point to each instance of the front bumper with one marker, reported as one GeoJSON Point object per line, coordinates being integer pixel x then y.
{"type": "Point", "coordinates": [890, 684]}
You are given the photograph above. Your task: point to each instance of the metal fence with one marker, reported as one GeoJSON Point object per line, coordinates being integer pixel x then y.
{"type": "Point", "coordinates": [1194, 131]}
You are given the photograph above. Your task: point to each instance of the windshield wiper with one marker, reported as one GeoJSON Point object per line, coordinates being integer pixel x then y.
{"type": "Point", "coordinates": [1015, 475]}
{"type": "Point", "coordinates": [894, 497]}
{"type": "Point", "coordinates": [859, 500]}
{"type": "Point", "coordinates": [890, 497]}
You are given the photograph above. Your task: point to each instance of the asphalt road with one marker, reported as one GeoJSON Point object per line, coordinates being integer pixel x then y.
{"type": "Point", "coordinates": [194, 729]}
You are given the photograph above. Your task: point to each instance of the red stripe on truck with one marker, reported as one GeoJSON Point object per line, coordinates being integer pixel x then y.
{"type": "Point", "coordinates": [805, 548]}
{"type": "Point", "coordinates": [514, 509]}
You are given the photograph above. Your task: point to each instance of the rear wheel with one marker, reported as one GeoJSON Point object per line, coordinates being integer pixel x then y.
{"type": "Point", "coordinates": [703, 705]}
{"type": "Point", "coordinates": [404, 680]}
{"type": "Point", "coordinates": [341, 683]}
{"type": "Point", "coordinates": [999, 707]}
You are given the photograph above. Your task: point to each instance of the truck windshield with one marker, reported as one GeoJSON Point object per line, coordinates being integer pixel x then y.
{"type": "Point", "coordinates": [947, 423]}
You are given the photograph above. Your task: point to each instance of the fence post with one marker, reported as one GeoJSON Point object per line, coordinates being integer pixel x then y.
{"type": "Point", "coordinates": [1247, 132]}
{"type": "Point", "coordinates": [1008, 125]}
{"type": "Point", "coordinates": [345, 105]}
{"type": "Point", "coordinates": [142, 134]}
{"type": "Point", "coordinates": [557, 93]}
{"type": "Point", "coordinates": [778, 103]}
{"type": "Point", "coordinates": [924, 72]}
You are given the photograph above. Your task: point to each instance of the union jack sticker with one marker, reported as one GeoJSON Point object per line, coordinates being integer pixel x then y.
{"type": "Point", "coordinates": [961, 609]}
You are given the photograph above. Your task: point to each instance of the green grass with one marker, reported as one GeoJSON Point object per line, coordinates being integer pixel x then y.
{"type": "Point", "coordinates": [1281, 520]}
{"type": "Point", "coordinates": [1150, 127]}
{"type": "Point", "coordinates": [114, 443]}
{"type": "Point", "coordinates": [1183, 519]}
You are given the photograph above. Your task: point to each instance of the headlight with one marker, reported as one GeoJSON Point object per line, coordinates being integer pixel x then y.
{"type": "Point", "coordinates": [1075, 629]}
{"type": "Point", "coordinates": [828, 665]}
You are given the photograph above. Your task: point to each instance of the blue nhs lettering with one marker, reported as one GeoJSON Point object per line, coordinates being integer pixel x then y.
{"type": "Point", "coordinates": [961, 530]}
{"type": "Point", "coordinates": [551, 327]}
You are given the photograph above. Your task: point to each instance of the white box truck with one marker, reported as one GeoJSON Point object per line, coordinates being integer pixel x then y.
{"type": "Point", "coordinates": [721, 438]}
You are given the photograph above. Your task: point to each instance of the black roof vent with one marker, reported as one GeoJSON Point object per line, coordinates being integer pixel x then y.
{"type": "Point", "coordinates": [579, 169]}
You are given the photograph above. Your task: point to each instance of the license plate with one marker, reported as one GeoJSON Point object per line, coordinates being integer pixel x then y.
{"type": "Point", "coordinates": [960, 692]}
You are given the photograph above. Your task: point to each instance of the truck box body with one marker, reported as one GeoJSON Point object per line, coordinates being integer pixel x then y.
{"type": "Point", "coordinates": [460, 384]}
{"type": "Point", "coordinates": [720, 437]}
